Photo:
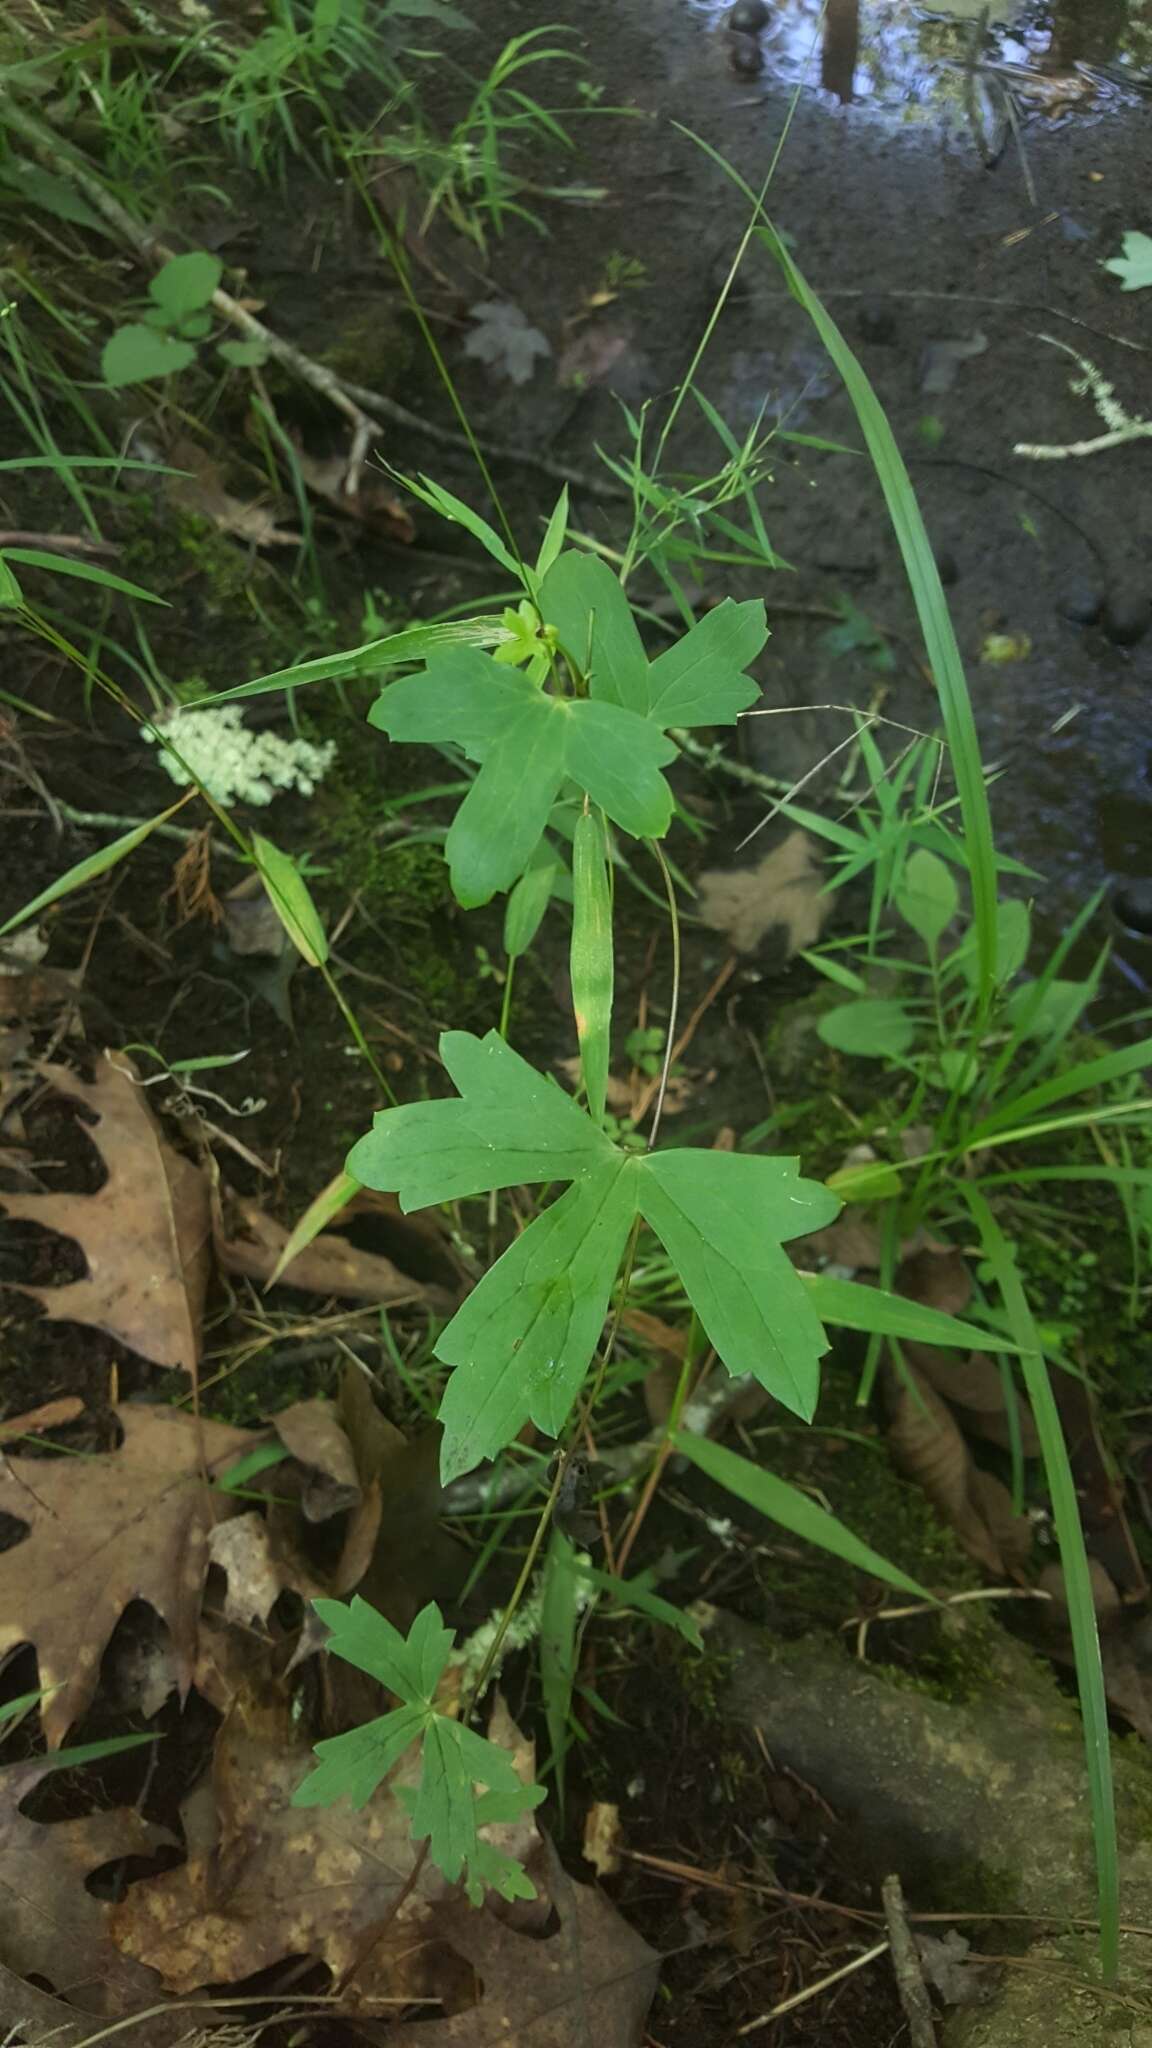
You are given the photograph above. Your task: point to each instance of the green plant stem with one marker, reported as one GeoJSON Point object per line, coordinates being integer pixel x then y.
{"type": "Point", "coordinates": [506, 1003]}
{"type": "Point", "coordinates": [670, 1035]}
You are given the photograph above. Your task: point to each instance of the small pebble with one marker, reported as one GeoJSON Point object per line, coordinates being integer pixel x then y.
{"type": "Point", "coordinates": [745, 56]}
{"type": "Point", "coordinates": [1081, 602]}
{"type": "Point", "coordinates": [1127, 616]}
{"type": "Point", "coordinates": [1132, 904]}
{"type": "Point", "coordinates": [748, 17]}
{"type": "Point", "coordinates": [876, 322]}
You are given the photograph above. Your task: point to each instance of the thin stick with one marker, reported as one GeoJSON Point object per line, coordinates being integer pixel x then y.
{"type": "Point", "coordinates": [689, 1032]}
{"type": "Point", "coordinates": [906, 1967]}
{"type": "Point", "coordinates": [813, 1990]}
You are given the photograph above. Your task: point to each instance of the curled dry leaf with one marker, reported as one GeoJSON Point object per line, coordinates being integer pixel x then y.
{"type": "Point", "coordinates": [313, 1432]}
{"type": "Point", "coordinates": [249, 1242]}
{"type": "Point", "coordinates": [131, 1524]}
{"type": "Point", "coordinates": [926, 1444]}
{"type": "Point", "coordinates": [49, 1416]}
{"type": "Point", "coordinates": [51, 1927]}
{"type": "Point", "coordinates": [972, 1382]}
{"type": "Point", "coordinates": [144, 1233]}
{"type": "Point", "coordinates": [326, 476]}
{"type": "Point", "coordinates": [202, 492]}
{"type": "Point", "coordinates": [242, 1547]}
{"type": "Point", "coordinates": [602, 1837]}
{"type": "Point", "coordinates": [784, 891]}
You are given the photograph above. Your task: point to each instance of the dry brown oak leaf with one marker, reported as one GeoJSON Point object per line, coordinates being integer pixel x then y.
{"type": "Point", "coordinates": [51, 1927]}
{"type": "Point", "coordinates": [124, 1525]}
{"type": "Point", "coordinates": [145, 1234]}
{"type": "Point", "coordinates": [265, 1880]}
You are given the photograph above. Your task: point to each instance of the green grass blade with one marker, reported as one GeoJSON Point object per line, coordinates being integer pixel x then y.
{"type": "Point", "coordinates": [793, 1510]}
{"type": "Point", "coordinates": [1074, 1560]}
{"type": "Point", "coordinates": [88, 572]}
{"type": "Point", "coordinates": [1110, 1066]}
{"type": "Point", "coordinates": [591, 957]}
{"type": "Point", "coordinates": [86, 871]}
{"type": "Point", "coordinates": [931, 606]}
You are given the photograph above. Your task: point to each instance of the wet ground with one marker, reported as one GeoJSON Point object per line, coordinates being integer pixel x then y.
{"type": "Point", "coordinates": [948, 232]}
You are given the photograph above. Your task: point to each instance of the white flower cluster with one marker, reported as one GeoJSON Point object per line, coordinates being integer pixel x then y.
{"type": "Point", "coordinates": [214, 748]}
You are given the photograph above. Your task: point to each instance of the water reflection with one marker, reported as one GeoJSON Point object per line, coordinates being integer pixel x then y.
{"type": "Point", "coordinates": [1061, 59]}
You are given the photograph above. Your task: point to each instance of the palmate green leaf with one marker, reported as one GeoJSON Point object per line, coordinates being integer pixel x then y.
{"type": "Point", "coordinates": [445, 1811]}
{"type": "Point", "coordinates": [527, 744]}
{"type": "Point", "coordinates": [445, 1807]}
{"type": "Point", "coordinates": [523, 1340]}
{"type": "Point", "coordinates": [509, 1125]}
{"type": "Point", "coordinates": [722, 1217]}
{"type": "Point", "coordinates": [584, 601]}
{"type": "Point", "coordinates": [354, 1765]}
{"type": "Point", "coordinates": [700, 681]}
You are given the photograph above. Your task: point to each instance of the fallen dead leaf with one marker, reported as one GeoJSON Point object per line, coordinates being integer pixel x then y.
{"type": "Point", "coordinates": [202, 492]}
{"type": "Point", "coordinates": [243, 1549]}
{"type": "Point", "coordinates": [248, 1241]}
{"type": "Point", "coordinates": [372, 501]}
{"type": "Point", "coordinates": [971, 1381]}
{"type": "Point", "coordinates": [313, 1432]}
{"type": "Point", "coordinates": [265, 1880]}
{"type": "Point", "coordinates": [50, 1416]}
{"type": "Point", "coordinates": [504, 340]}
{"type": "Point", "coordinates": [131, 1524]}
{"type": "Point", "coordinates": [602, 1837]}
{"type": "Point", "coordinates": [591, 1980]}
{"type": "Point", "coordinates": [590, 357]}
{"type": "Point", "coordinates": [397, 1552]}
{"type": "Point", "coordinates": [785, 890]}
{"type": "Point", "coordinates": [51, 1927]}
{"type": "Point", "coordinates": [927, 1444]}
{"type": "Point", "coordinates": [144, 1233]}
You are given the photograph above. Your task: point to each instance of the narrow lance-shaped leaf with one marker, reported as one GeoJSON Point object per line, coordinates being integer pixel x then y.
{"type": "Point", "coordinates": [86, 870]}
{"type": "Point", "coordinates": [591, 958]}
{"type": "Point", "coordinates": [290, 898]}
{"type": "Point", "coordinates": [795, 1511]}
{"type": "Point", "coordinates": [528, 900]}
{"type": "Point", "coordinates": [85, 572]}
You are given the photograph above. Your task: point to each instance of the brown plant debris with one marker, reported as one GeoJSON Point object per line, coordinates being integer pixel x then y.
{"type": "Point", "coordinates": [783, 891]}
{"type": "Point", "coordinates": [144, 1233]}
{"type": "Point", "coordinates": [131, 1524]}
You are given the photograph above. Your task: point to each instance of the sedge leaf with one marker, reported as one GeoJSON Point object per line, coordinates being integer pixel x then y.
{"type": "Point", "coordinates": [795, 1511]}
{"type": "Point", "coordinates": [85, 572]}
{"type": "Point", "coordinates": [86, 870]}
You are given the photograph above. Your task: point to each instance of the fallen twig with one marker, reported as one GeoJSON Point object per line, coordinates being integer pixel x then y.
{"type": "Point", "coordinates": [365, 410]}
{"type": "Point", "coordinates": [906, 1967]}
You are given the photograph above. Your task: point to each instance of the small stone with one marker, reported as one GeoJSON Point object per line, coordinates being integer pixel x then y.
{"type": "Point", "coordinates": [947, 567]}
{"type": "Point", "coordinates": [748, 17]}
{"type": "Point", "coordinates": [876, 322]}
{"type": "Point", "coordinates": [1127, 616]}
{"type": "Point", "coordinates": [745, 56]}
{"type": "Point", "coordinates": [1132, 904]}
{"type": "Point", "coordinates": [1081, 602]}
